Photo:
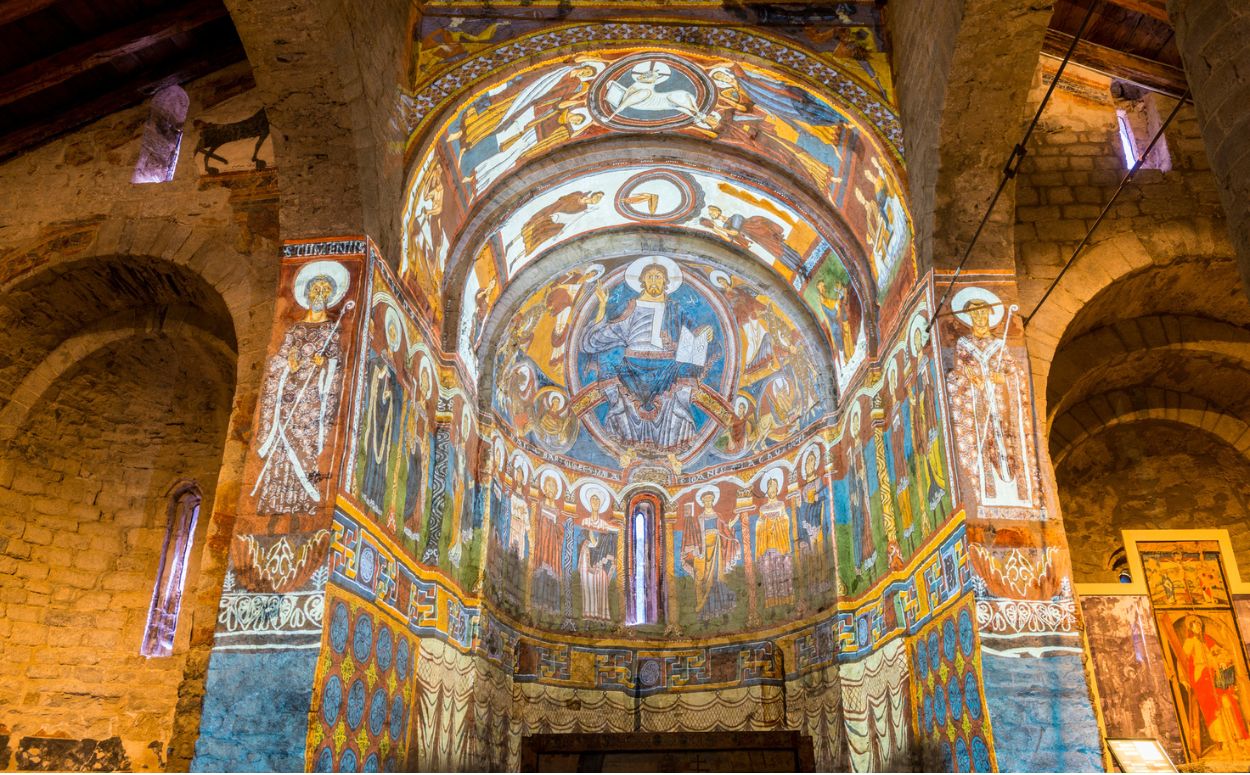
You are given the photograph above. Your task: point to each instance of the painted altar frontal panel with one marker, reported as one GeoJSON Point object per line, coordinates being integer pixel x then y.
{"type": "Point", "coordinates": [532, 112]}
{"type": "Point", "coordinates": [1129, 667]}
{"type": "Point", "coordinates": [1202, 646]}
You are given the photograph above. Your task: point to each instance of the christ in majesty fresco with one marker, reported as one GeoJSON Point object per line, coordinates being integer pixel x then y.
{"type": "Point", "coordinates": [650, 357]}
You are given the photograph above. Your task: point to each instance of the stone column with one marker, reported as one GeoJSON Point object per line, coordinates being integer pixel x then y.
{"type": "Point", "coordinates": [1214, 40]}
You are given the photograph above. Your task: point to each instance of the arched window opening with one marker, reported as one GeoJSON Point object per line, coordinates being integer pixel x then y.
{"type": "Point", "coordinates": [184, 511]}
{"type": "Point", "coordinates": [162, 136]}
{"type": "Point", "coordinates": [645, 521]}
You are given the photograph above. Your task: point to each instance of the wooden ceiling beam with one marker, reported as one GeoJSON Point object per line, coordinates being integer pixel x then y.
{"type": "Point", "coordinates": [1155, 9]}
{"type": "Point", "coordinates": [138, 88]}
{"type": "Point", "coordinates": [15, 10]}
{"type": "Point", "coordinates": [106, 48]}
{"type": "Point", "coordinates": [1147, 73]}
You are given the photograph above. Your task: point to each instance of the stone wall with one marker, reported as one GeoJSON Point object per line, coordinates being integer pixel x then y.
{"type": "Point", "coordinates": [1138, 355]}
{"type": "Point", "coordinates": [83, 496]}
{"type": "Point", "coordinates": [1150, 477]}
{"type": "Point", "coordinates": [128, 314]}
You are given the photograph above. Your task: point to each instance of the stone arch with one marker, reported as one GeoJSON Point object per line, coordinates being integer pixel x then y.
{"type": "Point", "coordinates": [1113, 258]}
{"type": "Point", "coordinates": [623, 243]}
{"type": "Point", "coordinates": [1106, 411]}
{"type": "Point", "coordinates": [205, 292]}
{"type": "Point", "coordinates": [179, 323]}
{"type": "Point", "coordinates": [541, 174]}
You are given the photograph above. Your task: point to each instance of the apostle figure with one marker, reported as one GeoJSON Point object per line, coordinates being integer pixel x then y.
{"type": "Point", "coordinates": [300, 399]}
{"type": "Point", "coordinates": [712, 552]}
{"type": "Point", "coordinates": [416, 437]}
{"type": "Point", "coordinates": [811, 519]}
{"type": "Point", "coordinates": [772, 543]}
{"type": "Point", "coordinates": [519, 512]}
{"type": "Point", "coordinates": [550, 221]}
{"type": "Point", "coordinates": [930, 472]}
{"type": "Point", "coordinates": [745, 231]}
{"type": "Point", "coordinates": [662, 352]}
{"type": "Point", "coordinates": [993, 418]}
{"type": "Point", "coordinates": [380, 419]}
{"type": "Point", "coordinates": [596, 561]}
{"type": "Point", "coordinates": [546, 547]}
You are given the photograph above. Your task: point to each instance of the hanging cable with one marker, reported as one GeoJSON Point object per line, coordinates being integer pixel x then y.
{"type": "Point", "coordinates": [1106, 208]}
{"type": "Point", "coordinates": [1013, 163]}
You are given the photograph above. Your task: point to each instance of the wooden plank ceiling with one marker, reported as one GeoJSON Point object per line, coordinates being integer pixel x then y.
{"type": "Point", "coordinates": [66, 63]}
{"type": "Point", "coordinates": [1127, 39]}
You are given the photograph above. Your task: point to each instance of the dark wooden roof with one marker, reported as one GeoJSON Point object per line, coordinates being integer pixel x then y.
{"type": "Point", "coordinates": [64, 63]}
{"type": "Point", "coordinates": [1128, 39]}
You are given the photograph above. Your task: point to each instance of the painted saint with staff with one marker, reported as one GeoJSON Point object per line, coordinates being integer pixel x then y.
{"type": "Point", "coordinates": [992, 413]}
{"type": "Point", "coordinates": [300, 399]}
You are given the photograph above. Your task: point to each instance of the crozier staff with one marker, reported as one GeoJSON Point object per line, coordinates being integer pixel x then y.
{"type": "Point", "coordinates": [299, 403]}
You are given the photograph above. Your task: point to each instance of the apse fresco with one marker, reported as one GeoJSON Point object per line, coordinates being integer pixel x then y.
{"type": "Point", "coordinates": [654, 361]}
{"type": "Point", "coordinates": [411, 459]}
{"type": "Point", "coordinates": [535, 110]}
{"type": "Point", "coordinates": [727, 209]}
{"type": "Point", "coordinates": [891, 485]}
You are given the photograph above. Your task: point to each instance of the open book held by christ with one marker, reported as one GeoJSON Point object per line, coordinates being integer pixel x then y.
{"type": "Point", "coordinates": [691, 348]}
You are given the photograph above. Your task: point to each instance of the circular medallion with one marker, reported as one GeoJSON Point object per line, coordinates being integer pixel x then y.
{"type": "Point", "coordinates": [972, 696]}
{"type": "Point", "coordinates": [397, 717]}
{"type": "Point", "coordinates": [948, 640]}
{"type": "Point", "coordinates": [935, 651]}
{"type": "Point", "coordinates": [348, 761]}
{"type": "Point", "coordinates": [356, 704]}
{"type": "Point", "coordinates": [371, 764]}
{"type": "Point", "coordinates": [922, 659]}
{"type": "Point", "coordinates": [401, 659]}
{"type": "Point", "coordinates": [377, 712]}
{"type": "Point", "coordinates": [953, 700]}
{"type": "Point", "coordinates": [650, 673]}
{"type": "Point", "coordinates": [325, 760]}
{"type": "Point", "coordinates": [332, 700]}
{"type": "Point", "coordinates": [659, 196]}
{"type": "Point", "coordinates": [980, 756]}
{"type": "Point", "coordinates": [966, 633]}
{"type": "Point", "coordinates": [651, 92]}
{"type": "Point", "coordinates": [962, 761]}
{"type": "Point", "coordinates": [385, 647]}
{"type": "Point", "coordinates": [364, 637]}
{"type": "Point", "coordinates": [339, 628]}
{"type": "Point", "coordinates": [368, 563]}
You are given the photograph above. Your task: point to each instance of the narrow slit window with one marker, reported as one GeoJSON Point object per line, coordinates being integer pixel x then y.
{"type": "Point", "coordinates": [184, 511]}
{"type": "Point", "coordinates": [1128, 145]}
{"type": "Point", "coordinates": [644, 543]}
{"type": "Point", "coordinates": [162, 136]}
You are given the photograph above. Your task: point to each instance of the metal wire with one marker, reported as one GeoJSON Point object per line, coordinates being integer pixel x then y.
{"type": "Point", "coordinates": [1013, 163]}
{"type": "Point", "coordinates": [1106, 208]}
